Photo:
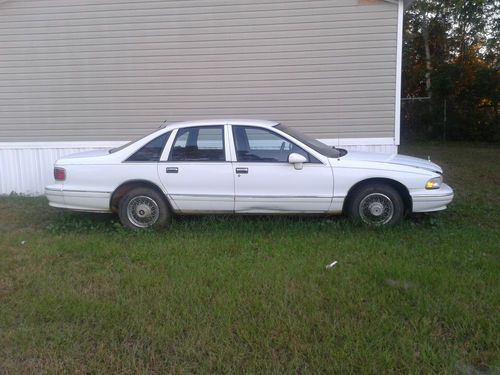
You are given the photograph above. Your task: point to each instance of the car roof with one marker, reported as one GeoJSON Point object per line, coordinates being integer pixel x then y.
{"type": "Point", "coordinates": [263, 123]}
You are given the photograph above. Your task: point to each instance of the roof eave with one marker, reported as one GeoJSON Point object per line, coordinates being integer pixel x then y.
{"type": "Point", "coordinates": [406, 3]}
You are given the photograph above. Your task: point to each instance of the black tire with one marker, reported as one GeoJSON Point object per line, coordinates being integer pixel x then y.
{"type": "Point", "coordinates": [376, 205]}
{"type": "Point", "coordinates": [143, 208]}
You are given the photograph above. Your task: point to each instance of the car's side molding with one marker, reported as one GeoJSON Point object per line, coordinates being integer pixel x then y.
{"type": "Point", "coordinates": [78, 191]}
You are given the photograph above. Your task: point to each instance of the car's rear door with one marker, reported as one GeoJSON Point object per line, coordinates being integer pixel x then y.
{"type": "Point", "coordinates": [266, 182]}
{"type": "Point", "coordinates": [196, 171]}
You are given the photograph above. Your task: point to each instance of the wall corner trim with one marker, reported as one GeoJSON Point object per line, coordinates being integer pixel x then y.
{"type": "Point", "coordinates": [399, 71]}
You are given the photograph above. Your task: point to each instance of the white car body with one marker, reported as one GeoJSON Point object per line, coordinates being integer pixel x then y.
{"type": "Point", "coordinates": [92, 178]}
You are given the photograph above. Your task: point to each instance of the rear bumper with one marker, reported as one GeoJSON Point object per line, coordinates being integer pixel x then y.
{"type": "Point", "coordinates": [94, 201]}
{"type": "Point", "coordinates": [432, 200]}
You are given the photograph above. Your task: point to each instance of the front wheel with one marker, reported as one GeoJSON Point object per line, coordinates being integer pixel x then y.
{"type": "Point", "coordinates": [376, 205]}
{"type": "Point", "coordinates": [143, 208]}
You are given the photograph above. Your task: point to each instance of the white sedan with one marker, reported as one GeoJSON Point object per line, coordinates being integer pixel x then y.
{"type": "Point", "coordinates": [243, 166]}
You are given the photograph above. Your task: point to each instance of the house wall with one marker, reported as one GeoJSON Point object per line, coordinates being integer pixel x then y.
{"type": "Point", "coordinates": [86, 71]}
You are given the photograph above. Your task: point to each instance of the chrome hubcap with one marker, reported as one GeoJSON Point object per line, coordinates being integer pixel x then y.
{"type": "Point", "coordinates": [376, 209]}
{"type": "Point", "coordinates": [142, 211]}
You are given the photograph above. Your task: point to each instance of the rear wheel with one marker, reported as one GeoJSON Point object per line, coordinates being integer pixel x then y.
{"type": "Point", "coordinates": [143, 208]}
{"type": "Point", "coordinates": [376, 205]}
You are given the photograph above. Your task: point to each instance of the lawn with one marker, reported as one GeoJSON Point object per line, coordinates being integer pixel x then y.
{"type": "Point", "coordinates": [78, 294]}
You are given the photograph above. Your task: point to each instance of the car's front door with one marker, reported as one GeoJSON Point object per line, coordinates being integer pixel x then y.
{"type": "Point", "coordinates": [196, 172]}
{"type": "Point", "coordinates": [266, 182]}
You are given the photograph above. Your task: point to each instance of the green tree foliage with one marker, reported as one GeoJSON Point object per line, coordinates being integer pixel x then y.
{"type": "Point", "coordinates": [451, 62]}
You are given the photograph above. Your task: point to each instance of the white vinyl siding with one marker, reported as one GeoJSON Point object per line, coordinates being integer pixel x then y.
{"type": "Point", "coordinates": [113, 70]}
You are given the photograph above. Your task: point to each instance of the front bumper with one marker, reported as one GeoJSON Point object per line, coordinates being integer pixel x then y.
{"type": "Point", "coordinates": [432, 200]}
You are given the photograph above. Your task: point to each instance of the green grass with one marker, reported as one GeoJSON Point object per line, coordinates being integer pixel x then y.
{"type": "Point", "coordinates": [78, 294]}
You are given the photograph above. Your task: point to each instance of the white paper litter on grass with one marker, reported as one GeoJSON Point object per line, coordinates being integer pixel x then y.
{"type": "Point", "coordinates": [331, 265]}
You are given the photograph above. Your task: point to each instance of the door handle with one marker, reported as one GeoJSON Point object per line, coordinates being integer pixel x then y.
{"type": "Point", "coordinates": [242, 170]}
{"type": "Point", "coordinates": [172, 170]}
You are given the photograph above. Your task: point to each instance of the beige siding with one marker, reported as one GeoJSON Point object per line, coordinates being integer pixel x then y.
{"type": "Point", "coordinates": [111, 70]}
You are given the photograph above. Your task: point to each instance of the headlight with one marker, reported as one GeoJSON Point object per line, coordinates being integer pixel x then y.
{"type": "Point", "coordinates": [434, 183]}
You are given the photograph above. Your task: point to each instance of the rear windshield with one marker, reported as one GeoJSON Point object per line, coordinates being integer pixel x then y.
{"type": "Point", "coordinates": [113, 150]}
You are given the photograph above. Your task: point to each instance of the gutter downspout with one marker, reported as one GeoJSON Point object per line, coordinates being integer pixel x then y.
{"type": "Point", "coordinates": [399, 69]}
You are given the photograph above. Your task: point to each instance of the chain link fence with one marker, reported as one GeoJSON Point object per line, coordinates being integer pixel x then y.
{"type": "Point", "coordinates": [426, 119]}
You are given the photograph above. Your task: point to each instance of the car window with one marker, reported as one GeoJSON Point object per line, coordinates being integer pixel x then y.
{"type": "Point", "coordinates": [202, 143]}
{"type": "Point", "coordinates": [152, 150]}
{"type": "Point", "coordinates": [316, 145]}
{"type": "Point", "coordinates": [116, 149]}
{"type": "Point", "coordinates": [262, 145]}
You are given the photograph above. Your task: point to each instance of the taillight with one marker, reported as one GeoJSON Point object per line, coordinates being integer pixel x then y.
{"type": "Point", "coordinates": [59, 174]}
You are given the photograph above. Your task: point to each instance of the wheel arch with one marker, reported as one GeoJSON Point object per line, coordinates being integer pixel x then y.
{"type": "Point", "coordinates": [398, 186]}
{"type": "Point", "coordinates": [126, 186]}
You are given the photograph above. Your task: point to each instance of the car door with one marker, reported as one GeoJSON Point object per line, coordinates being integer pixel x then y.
{"type": "Point", "coordinates": [266, 182]}
{"type": "Point", "coordinates": [196, 172]}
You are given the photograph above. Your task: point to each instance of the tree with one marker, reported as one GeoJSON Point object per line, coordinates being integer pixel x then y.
{"type": "Point", "coordinates": [450, 57]}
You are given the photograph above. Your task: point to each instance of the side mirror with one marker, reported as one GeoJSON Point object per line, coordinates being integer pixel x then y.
{"type": "Point", "coordinates": [297, 160]}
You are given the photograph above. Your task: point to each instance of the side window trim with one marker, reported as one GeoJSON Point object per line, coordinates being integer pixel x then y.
{"type": "Point", "coordinates": [168, 146]}
{"type": "Point", "coordinates": [230, 151]}
{"type": "Point", "coordinates": [178, 132]}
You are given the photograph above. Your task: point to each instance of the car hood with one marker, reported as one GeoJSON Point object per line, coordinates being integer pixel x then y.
{"type": "Point", "coordinates": [378, 157]}
{"type": "Point", "coordinates": [87, 154]}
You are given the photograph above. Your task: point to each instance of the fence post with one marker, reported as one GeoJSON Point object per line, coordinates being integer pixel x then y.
{"type": "Point", "coordinates": [444, 121]}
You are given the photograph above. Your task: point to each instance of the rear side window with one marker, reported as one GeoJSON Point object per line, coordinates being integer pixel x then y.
{"type": "Point", "coordinates": [151, 151]}
{"type": "Point", "coordinates": [202, 143]}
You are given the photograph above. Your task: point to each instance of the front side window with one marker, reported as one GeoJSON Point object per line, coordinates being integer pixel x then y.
{"type": "Point", "coordinates": [202, 143]}
{"type": "Point", "coordinates": [152, 150]}
{"type": "Point", "coordinates": [262, 145]}
{"type": "Point", "coordinates": [316, 145]}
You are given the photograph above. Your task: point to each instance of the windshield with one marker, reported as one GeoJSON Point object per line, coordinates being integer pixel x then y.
{"type": "Point", "coordinates": [316, 145]}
